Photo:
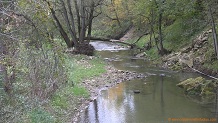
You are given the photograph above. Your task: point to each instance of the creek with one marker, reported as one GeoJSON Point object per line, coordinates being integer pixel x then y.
{"type": "Point", "coordinates": [159, 100]}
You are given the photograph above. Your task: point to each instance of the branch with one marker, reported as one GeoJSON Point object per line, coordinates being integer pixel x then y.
{"type": "Point", "coordinates": [140, 38]}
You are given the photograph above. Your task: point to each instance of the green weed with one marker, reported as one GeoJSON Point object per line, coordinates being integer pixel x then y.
{"type": "Point", "coordinates": [80, 91]}
{"type": "Point", "coordinates": [60, 100]}
{"type": "Point", "coordinates": [41, 116]}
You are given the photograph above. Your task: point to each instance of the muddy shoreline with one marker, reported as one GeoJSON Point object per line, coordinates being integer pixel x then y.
{"type": "Point", "coordinates": [94, 85]}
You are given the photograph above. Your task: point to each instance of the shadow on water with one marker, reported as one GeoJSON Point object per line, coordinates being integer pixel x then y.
{"type": "Point", "coordinates": [158, 101]}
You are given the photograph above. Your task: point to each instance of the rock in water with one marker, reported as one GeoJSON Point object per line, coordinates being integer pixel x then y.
{"type": "Point", "coordinates": [136, 91]}
{"type": "Point", "coordinates": [141, 55]}
{"type": "Point", "coordinates": [199, 87]}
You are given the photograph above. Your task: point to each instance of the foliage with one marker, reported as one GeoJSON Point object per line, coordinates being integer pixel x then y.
{"type": "Point", "coordinates": [31, 93]}
{"type": "Point", "coordinates": [112, 31]}
{"type": "Point", "coordinates": [116, 17]}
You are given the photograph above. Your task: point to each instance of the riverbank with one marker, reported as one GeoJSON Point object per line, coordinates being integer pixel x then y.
{"type": "Point", "coordinates": [196, 55]}
{"type": "Point", "coordinates": [95, 84]}
{"type": "Point", "coordinates": [197, 52]}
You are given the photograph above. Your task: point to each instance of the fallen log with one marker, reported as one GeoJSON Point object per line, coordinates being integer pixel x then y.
{"type": "Point", "coordinates": [110, 40]}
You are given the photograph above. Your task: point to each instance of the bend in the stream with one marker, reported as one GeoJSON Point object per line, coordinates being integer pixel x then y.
{"type": "Point", "coordinates": [159, 100]}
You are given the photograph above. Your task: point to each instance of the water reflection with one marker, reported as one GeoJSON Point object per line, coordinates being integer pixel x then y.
{"type": "Point", "coordinates": [158, 100]}
{"type": "Point", "coordinates": [216, 104]}
{"type": "Point", "coordinates": [162, 94]}
{"type": "Point", "coordinates": [155, 104]}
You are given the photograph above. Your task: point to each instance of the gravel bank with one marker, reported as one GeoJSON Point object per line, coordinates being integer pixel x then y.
{"type": "Point", "coordinates": [109, 79]}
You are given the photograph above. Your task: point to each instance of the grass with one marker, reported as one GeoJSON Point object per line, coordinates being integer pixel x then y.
{"type": "Point", "coordinates": [41, 116]}
{"type": "Point", "coordinates": [211, 61]}
{"type": "Point", "coordinates": [213, 65]}
{"type": "Point", "coordinates": [181, 33]}
{"type": "Point", "coordinates": [83, 71]}
{"type": "Point", "coordinates": [78, 91]}
{"type": "Point", "coordinates": [79, 67]}
{"type": "Point", "coordinates": [141, 43]}
{"type": "Point", "coordinates": [60, 100]}
{"type": "Point", "coordinates": [152, 53]}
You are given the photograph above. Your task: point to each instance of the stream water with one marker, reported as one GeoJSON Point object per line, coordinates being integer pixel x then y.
{"type": "Point", "coordinates": [159, 100]}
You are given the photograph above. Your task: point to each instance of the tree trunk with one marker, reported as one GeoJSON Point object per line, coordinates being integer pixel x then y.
{"type": "Point", "coordinates": [90, 20]}
{"type": "Point", "coordinates": [71, 17]}
{"type": "Point", "coordinates": [160, 33]}
{"type": "Point", "coordinates": [216, 105]}
{"type": "Point", "coordinates": [214, 31]}
{"type": "Point", "coordinates": [72, 32]}
{"type": "Point", "coordinates": [60, 27]}
{"type": "Point", "coordinates": [83, 24]}
{"type": "Point", "coordinates": [151, 28]}
{"type": "Point", "coordinates": [78, 16]}
{"type": "Point", "coordinates": [162, 51]}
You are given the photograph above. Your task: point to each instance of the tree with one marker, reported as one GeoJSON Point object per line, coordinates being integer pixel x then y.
{"type": "Point", "coordinates": [85, 11]}
{"type": "Point", "coordinates": [162, 50]}
{"type": "Point", "coordinates": [212, 21]}
{"type": "Point", "coordinates": [24, 35]}
{"type": "Point", "coordinates": [9, 21]}
{"type": "Point", "coordinates": [152, 13]}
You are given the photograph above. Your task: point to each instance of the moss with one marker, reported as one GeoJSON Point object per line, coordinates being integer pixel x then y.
{"type": "Point", "coordinates": [200, 87]}
{"type": "Point", "coordinates": [176, 67]}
